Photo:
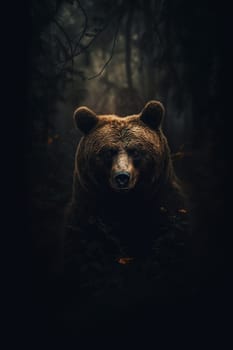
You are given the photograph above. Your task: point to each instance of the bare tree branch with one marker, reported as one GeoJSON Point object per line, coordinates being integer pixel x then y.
{"type": "Point", "coordinates": [84, 27]}
{"type": "Point", "coordinates": [84, 48]}
{"type": "Point", "coordinates": [65, 35]}
{"type": "Point", "coordinates": [112, 51]}
{"type": "Point", "coordinates": [101, 30]}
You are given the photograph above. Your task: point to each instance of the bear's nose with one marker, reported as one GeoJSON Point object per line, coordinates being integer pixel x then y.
{"type": "Point", "coordinates": [122, 179]}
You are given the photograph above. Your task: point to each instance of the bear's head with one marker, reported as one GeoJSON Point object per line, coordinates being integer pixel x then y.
{"type": "Point", "coordinates": [122, 154]}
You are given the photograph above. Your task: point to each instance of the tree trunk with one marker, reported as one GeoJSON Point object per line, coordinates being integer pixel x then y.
{"type": "Point", "coordinates": [128, 49]}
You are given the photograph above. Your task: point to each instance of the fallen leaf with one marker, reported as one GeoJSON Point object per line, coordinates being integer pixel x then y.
{"type": "Point", "coordinates": [50, 140]}
{"type": "Point", "coordinates": [124, 261]}
{"type": "Point", "coordinates": [183, 211]}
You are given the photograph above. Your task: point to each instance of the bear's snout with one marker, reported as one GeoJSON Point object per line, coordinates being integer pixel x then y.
{"type": "Point", "coordinates": [122, 179]}
{"type": "Point", "coordinates": [123, 175]}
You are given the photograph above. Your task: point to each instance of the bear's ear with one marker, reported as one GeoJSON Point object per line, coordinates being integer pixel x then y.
{"type": "Point", "coordinates": [152, 114]}
{"type": "Point", "coordinates": [85, 119]}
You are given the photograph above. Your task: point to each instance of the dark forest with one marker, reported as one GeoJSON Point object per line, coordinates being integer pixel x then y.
{"type": "Point", "coordinates": [114, 56]}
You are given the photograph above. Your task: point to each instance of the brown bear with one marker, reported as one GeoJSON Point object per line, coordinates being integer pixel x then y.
{"type": "Point", "coordinates": [126, 197]}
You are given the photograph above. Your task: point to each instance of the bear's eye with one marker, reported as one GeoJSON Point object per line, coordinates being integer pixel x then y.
{"type": "Point", "coordinates": [135, 153]}
{"type": "Point", "coordinates": [108, 153]}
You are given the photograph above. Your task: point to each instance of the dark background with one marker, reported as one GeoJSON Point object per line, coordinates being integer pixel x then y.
{"type": "Point", "coordinates": [114, 56]}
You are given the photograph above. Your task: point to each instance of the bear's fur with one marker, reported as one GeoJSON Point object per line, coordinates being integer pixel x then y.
{"type": "Point", "coordinates": [126, 196]}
